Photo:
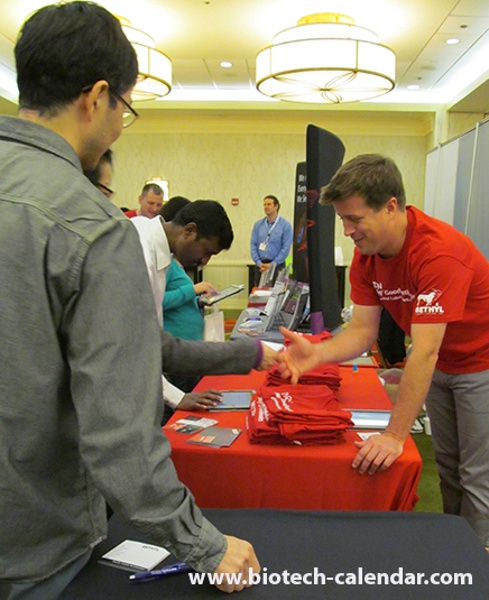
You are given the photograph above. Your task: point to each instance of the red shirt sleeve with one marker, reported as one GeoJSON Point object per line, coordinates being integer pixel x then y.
{"type": "Point", "coordinates": [442, 291]}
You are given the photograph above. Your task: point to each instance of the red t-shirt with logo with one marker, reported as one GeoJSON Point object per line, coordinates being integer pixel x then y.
{"type": "Point", "coordinates": [438, 277]}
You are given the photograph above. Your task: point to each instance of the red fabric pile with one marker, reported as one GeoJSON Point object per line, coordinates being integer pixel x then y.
{"type": "Point", "coordinates": [324, 374]}
{"type": "Point", "coordinates": [327, 374]}
{"type": "Point", "coordinates": [302, 414]}
{"type": "Point", "coordinates": [307, 413]}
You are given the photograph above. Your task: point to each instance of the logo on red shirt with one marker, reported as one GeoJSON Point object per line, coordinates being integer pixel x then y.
{"type": "Point", "coordinates": [427, 303]}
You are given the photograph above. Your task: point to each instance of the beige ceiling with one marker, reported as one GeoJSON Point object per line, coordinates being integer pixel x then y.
{"type": "Point", "coordinates": [198, 34]}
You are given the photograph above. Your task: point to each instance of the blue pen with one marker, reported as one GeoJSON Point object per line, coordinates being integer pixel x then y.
{"type": "Point", "coordinates": [179, 567]}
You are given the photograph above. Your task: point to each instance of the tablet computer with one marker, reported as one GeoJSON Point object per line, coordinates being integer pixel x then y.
{"type": "Point", "coordinates": [225, 293]}
{"type": "Point", "coordinates": [370, 419]}
{"type": "Point", "coordinates": [234, 400]}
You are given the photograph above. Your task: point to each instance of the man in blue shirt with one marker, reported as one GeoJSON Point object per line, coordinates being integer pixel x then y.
{"type": "Point", "coordinates": [271, 239]}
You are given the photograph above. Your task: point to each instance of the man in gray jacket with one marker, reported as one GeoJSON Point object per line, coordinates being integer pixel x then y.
{"type": "Point", "coordinates": [79, 420]}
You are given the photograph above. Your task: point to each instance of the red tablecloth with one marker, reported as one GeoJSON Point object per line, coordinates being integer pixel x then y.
{"type": "Point", "coordinates": [294, 477]}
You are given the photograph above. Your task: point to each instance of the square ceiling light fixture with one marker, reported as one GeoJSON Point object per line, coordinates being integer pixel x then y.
{"type": "Point", "coordinates": [325, 59]}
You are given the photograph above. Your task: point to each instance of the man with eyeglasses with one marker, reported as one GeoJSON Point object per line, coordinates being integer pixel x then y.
{"type": "Point", "coordinates": [79, 421]}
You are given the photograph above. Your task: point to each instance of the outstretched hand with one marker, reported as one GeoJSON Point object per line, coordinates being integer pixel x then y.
{"type": "Point", "coordinates": [298, 358]}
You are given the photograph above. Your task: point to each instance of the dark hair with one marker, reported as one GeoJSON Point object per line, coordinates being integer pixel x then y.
{"type": "Point", "coordinates": [173, 206]}
{"type": "Point", "coordinates": [211, 220]}
{"type": "Point", "coordinates": [66, 47]}
{"type": "Point", "coordinates": [274, 198]}
{"type": "Point", "coordinates": [152, 187]}
{"type": "Point", "coordinates": [94, 174]}
{"type": "Point", "coordinates": [371, 176]}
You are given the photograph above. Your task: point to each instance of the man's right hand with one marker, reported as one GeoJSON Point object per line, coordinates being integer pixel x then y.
{"type": "Point", "coordinates": [300, 357]}
{"type": "Point", "coordinates": [240, 557]}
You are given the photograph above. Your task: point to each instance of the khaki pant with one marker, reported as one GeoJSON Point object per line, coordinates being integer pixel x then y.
{"type": "Point", "coordinates": [458, 407]}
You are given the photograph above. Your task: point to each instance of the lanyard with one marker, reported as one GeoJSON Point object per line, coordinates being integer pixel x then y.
{"type": "Point", "coordinates": [272, 228]}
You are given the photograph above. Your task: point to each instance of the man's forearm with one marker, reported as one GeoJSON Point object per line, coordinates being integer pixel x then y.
{"type": "Point", "coordinates": [345, 345]}
{"type": "Point", "coordinates": [413, 388]}
{"type": "Point", "coordinates": [208, 358]}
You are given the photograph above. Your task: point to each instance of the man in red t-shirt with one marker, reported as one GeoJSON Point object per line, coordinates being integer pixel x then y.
{"type": "Point", "coordinates": [150, 202]}
{"type": "Point", "coordinates": [435, 283]}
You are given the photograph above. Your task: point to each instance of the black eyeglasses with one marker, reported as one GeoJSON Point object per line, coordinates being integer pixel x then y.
{"type": "Point", "coordinates": [106, 191]}
{"type": "Point", "coordinates": [129, 115]}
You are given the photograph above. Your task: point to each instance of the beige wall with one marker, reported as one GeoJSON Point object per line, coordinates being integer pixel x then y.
{"type": "Point", "coordinates": [245, 156]}
{"type": "Point", "coordinates": [247, 153]}
{"type": "Point", "coordinates": [459, 123]}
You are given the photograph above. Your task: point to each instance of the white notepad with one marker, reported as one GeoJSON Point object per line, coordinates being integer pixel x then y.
{"type": "Point", "coordinates": [134, 556]}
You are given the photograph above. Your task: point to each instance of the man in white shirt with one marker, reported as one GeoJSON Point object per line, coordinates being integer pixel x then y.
{"type": "Point", "coordinates": [199, 231]}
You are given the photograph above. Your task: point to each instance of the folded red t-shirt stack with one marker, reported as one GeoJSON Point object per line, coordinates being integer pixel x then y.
{"type": "Point", "coordinates": [306, 413]}
{"type": "Point", "coordinates": [327, 374]}
{"type": "Point", "coordinates": [324, 374]}
{"type": "Point", "coordinates": [302, 414]}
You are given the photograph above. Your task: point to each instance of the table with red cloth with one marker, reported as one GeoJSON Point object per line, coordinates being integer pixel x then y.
{"type": "Point", "coordinates": [246, 475]}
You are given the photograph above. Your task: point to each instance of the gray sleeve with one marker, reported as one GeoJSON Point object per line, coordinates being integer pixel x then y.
{"type": "Point", "coordinates": [113, 349]}
{"type": "Point", "coordinates": [209, 358]}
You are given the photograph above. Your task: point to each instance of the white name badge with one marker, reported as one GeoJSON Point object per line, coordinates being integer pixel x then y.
{"type": "Point", "coordinates": [263, 246]}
